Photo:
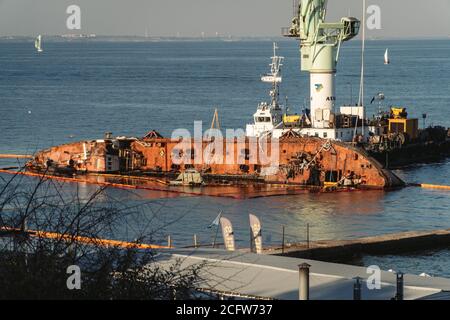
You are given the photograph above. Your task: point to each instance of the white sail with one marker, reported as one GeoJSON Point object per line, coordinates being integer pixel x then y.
{"type": "Point", "coordinates": [38, 43]}
{"type": "Point", "coordinates": [386, 57]}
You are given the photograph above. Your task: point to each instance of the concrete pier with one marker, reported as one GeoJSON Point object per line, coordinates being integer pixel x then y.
{"type": "Point", "coordinates": [340, 250]}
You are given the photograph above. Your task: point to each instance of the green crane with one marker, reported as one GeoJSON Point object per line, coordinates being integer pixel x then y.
{"type": "Point", "coordinates": [320, 44]}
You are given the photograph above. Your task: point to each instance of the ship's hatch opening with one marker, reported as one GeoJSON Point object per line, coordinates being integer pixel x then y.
{"type": "Point", "coordinates": [245, 153]}
{"type": "Point", "coordinates": [397, 127]}
{"type": "Point", "coordinates": [244, 168]}
{"type": "Point", "coordinates": [332, 176]}
{"type": "Point", "coordinates": [191, 153]}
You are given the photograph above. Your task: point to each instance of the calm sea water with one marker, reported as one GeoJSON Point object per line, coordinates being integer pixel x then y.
{"type": "Point", "coordinates": [79, 90]}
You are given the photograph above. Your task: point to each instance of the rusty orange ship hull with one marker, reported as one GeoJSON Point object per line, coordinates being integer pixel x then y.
{"type": "Point", "coordinates": [305, 161]}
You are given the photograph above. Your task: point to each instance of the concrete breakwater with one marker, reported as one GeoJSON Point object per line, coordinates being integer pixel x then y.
{"type": "Point", "coordinates": [340, 250]}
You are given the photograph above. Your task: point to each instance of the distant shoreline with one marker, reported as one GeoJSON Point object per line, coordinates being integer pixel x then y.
{"type": "Point", "coordinates": [71, 38]}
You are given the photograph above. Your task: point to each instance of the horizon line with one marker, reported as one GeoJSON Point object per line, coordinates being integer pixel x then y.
{"type": "Point", "coordinates": [83, 36]}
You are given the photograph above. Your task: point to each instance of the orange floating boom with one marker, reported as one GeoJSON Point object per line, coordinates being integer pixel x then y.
{"type": "Point", "coordinates": [433, 186]}
{"type": "Point", "coordinates": [15, 156]}
{"type": "Point", "coordinates": [128, 186]}
{"type": "Point", "coordinates": [87, 240]}
{"type": "Point", "coordinates": [106, 184]}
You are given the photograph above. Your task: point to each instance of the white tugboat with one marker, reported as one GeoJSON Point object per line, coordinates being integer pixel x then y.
{"type": "Point", "coordinates": [319, 57]}
{"type": "Point", "coordinates": [272, 118]}
{"type": "Point", "coordinates": [269, 116]}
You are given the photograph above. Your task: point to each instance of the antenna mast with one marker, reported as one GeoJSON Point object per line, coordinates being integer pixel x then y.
{"type": "Point", "coordinates": [363, 48]}
{"type": "Point", "coordinates": [274, 77]}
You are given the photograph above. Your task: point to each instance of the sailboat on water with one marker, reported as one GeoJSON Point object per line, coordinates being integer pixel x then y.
{"type": "Point", "coordinates": [38, 43]}
{"type": "Point", "coordinates": [386, 57]}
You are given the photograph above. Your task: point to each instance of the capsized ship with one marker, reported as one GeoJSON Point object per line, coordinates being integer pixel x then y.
{"type": "Point", "coordinates": [316, 154]}
{"type": "Point", "coordinates": [303, 161]}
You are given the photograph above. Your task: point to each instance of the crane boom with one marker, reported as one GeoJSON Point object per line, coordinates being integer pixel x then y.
{"type": "Point", "coordinates": [311, 14]}
{"type": "Point", "coordinates": [320, 44]}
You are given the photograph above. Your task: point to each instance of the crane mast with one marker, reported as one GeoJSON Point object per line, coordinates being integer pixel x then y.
{"type": "Point", "coordinates": [320, 44]}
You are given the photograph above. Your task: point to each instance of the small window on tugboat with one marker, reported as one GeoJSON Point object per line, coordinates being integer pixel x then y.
{"type": "Point", "coordinates": [263, 119]}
